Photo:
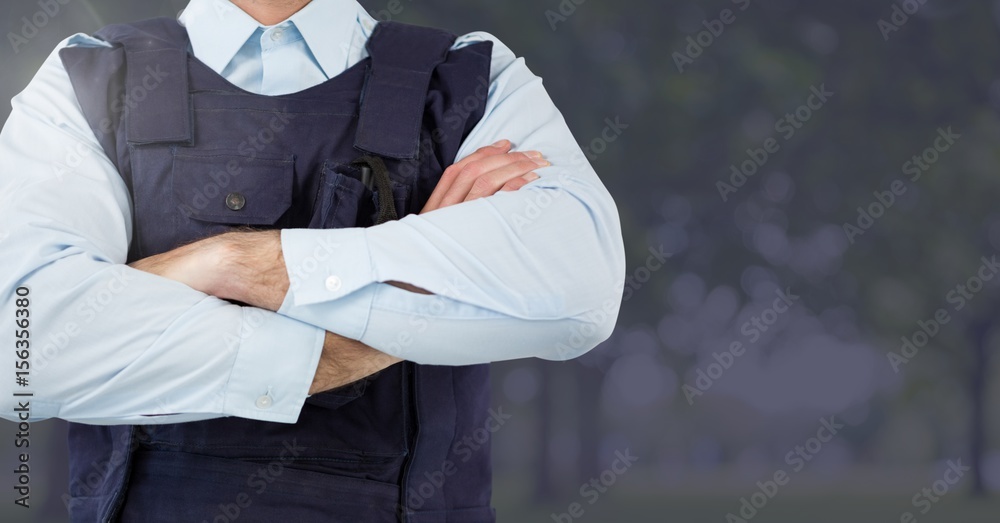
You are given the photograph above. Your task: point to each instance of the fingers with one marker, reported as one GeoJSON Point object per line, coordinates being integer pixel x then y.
{"type": "Point", "coordinates": [501, 147]}
{"type": "Point", "coordinates": [490, 183]}
{"type": "Point", "coordinates": [451, 173]}
{"type": "Point", "coordinates": [483, 173]}
{"type": "Point", "coordinates": [487, 176]}
{"type": "Point", "coordinates": [519, 182]}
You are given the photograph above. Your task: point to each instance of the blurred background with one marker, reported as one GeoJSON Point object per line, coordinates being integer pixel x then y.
{"type": "Point", "coordinates": [807, 190]}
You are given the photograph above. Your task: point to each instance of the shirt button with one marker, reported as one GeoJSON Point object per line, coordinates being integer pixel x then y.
{"type": "Point", "coordinates": [264, 402]}
{"type": "Point", "coordinates": [235, 201]}
{"type": "Point", "coordinates": [277, 34]}
{"type": "Point", "coordinates": [333, 284]}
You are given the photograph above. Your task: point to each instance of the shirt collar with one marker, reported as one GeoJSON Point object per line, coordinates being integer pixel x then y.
{"type": "Point", "coordinates": [218, 29]}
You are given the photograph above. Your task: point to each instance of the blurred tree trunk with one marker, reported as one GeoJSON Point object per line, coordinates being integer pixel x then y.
{"type": "Point", "coordinates": [545, 490]}
{"type": "Point", "coordinates": [589, 381]}
{"type": "Point", "coordinates": [981, 339]}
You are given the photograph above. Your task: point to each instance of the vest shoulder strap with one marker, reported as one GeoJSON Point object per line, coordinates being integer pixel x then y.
{"type": "Point", "coordinates": [142, 83]}
{"type": "Point", "coordinates": [146, 66]}
{"type": "Point", "coordinates": [156, 78]}
{"type": "Point", "coordinates": [403, 59]}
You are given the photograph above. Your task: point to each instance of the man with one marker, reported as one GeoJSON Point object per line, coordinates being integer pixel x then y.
{"type": "Point", "coordinates": [310, 299]}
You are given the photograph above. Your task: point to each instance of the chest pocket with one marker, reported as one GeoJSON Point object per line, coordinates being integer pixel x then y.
{"type": "Point", "coordinates": [344, 200]}
{"type": "Point", "coordinates": [215, 192]}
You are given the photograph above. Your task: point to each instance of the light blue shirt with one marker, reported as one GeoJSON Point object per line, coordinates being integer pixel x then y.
{"type": "Point", "coordinates": [537, 272]}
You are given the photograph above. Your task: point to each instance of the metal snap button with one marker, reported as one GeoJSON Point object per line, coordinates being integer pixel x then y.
{"type": "Point", "coordinates": [235, 201]}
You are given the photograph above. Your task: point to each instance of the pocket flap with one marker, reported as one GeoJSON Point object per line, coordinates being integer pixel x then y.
{"type": "Point", "coordinates": [233, 189]}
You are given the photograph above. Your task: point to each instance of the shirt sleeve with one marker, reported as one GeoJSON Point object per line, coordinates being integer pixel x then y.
{"type": "Point", "coordinates": [534, 272]}
{"type": "Point", "coordinates": [110, 344]}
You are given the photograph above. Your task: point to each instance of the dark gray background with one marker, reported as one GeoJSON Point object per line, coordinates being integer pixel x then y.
{"type": "Point", "coordinates": [828, 355]}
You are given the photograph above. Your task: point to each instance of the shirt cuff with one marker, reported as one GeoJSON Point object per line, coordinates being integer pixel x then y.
{"type": "Point", "coordinates": [325, 264]}
{"type": "Point", "coordinates": [347, 316]}
{"type": "Point", "coordinates": [274, 368]}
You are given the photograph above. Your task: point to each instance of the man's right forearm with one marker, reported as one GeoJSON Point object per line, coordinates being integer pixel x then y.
{"type": "Point", "coordinates": [345, 361]}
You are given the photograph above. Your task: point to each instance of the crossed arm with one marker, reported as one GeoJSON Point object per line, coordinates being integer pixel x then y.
{"type": "Point", "coordinates": [532, 272]}
{"type": "Point", "coordinates": [249, 267]}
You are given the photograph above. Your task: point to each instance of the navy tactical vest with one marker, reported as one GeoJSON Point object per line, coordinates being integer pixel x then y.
{"type": "Point", "coordinates": [201, 156]}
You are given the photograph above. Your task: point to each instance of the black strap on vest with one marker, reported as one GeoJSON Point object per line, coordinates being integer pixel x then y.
{"type": "Point", "coordinates": [403, 58]}
{"type": "Point", "coordinates": [382, 184]}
